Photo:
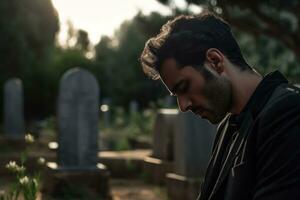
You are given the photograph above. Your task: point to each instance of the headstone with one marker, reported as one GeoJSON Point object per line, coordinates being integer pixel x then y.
{"type": "Point", "coordinates": [169, 101]}
{"type": "Point", "coordinates": [193, 140]}
{"type": "Point", "coordinates": [164, 129]}
{"type": "Point", "coordinates": [106, 111]}
{"type": "Point", "coordinates": [77, 173]}
{"type": "Point", "coordinates": [13, 109]}
{"type": "Point", "coordinates": [78, 114]}
{"type": "Point", "coordinates": [161, 161]}
{"type": "Point", "coordinates": [133, 107]}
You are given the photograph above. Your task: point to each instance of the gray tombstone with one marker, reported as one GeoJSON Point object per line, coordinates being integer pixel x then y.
{"type": "Point", "coordinates": [78, 114]}
{"type": "Point", "coordinates": [106, 112]}
{"type": "Point", "coordinates": [193, 141]}
{"type": "Point", "coordinates": [13, 109]}
{"type": "Point", "coordinates": [133, 107]}
{"type": "Point", "coordinates": [163, 134]}
{"type": "Point", "coordinates": [169, 101]}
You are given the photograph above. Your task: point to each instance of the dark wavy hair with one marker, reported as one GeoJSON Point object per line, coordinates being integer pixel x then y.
{"type": "Point", "coordinates": [186, 39]}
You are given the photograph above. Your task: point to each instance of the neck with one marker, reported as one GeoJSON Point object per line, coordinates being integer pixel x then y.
{"type": "Point", "coordinates": [244, 84]}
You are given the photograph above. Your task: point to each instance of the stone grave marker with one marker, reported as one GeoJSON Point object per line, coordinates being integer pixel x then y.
{"type": "Point", "coordinates": [133, 107]}
{"type": "Point", "coordinates": [78, 117]}
{"type": "Point", "coordinates": [161, 161]}
{"type": "Point", "coordinates": [13, 109]}
{"type": "Point", "coordinates": [164, 134]}
{"type": "Point", "coordinates": [193, 140]}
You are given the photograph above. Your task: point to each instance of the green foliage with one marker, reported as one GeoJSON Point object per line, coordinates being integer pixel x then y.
{"type": "Point", "coordinates": [128, 127]}
{"type": "Point", "coordinates": [83, 41]}
{"type": "Point", "coordinates": [24, 184]}
{"type": "Point", "coordinates": [27, 35]}
{"type": "Point", "coordinates": [119, 71]}
{"type": "Point", "coordinates": [267, 55]}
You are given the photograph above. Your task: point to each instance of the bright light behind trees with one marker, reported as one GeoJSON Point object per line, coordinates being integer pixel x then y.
{"type": "Point", "coordinates": [101, 17]}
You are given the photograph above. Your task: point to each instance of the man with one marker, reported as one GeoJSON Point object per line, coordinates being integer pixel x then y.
{"type": "Point", "coordinates": [256, 153]}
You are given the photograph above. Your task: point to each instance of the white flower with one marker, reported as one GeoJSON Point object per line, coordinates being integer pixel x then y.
{"type": "Point", "coordinates": [24, 180]}
{"type": "Point", "coordinates": [29, 138]}
{"type": "Point", "coordinates": [41, 161]}
{"type": "Point", "coordinates": [20, 169]}
{"type": "Point", "coordinates": [12, 165]}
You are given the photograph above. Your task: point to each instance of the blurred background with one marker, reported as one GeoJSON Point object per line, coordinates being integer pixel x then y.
{"type": "Point", "coordinates": [41, 39]}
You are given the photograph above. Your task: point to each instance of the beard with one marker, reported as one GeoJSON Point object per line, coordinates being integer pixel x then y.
{"type": "Point", "coordinates": [218, 92]}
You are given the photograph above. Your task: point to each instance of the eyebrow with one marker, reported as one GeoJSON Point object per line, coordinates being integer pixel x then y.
{"type": "Point", "coordinates": [176, 86]}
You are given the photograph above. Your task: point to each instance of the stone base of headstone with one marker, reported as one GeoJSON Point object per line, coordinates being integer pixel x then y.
{"type": "Point", "coordinates": [124, 164]}
{"type": "Point", "coordinates": [90, 183]}
{"type": "Point", "coordinates": [123, 168]}
{"type": "Point", "coordinates": [180, 187]}
{"type": "Point", "coordinates": [156, 170]}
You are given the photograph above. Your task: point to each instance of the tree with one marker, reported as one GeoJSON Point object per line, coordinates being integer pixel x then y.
{"type": "Point", "coordinates": [27, 32]}
{"type": "Point", "coordinates": [82, 42]}
{"type": "Point", "coordinates": [27, 35]}
{"type": "Point", "coordinates": [119, 71]}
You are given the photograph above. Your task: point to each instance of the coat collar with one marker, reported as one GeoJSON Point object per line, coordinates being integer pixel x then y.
{"type": "Point", "coordinates": [245, 122]}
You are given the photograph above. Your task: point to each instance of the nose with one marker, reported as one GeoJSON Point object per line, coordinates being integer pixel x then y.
{"type": "Point", "coordinates": [184, 103]}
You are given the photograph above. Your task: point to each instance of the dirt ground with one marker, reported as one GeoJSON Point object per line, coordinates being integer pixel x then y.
{"type": "Point", "coordinates": [136, 190]}
{"type": "Point", "coordinates": [126, 189]}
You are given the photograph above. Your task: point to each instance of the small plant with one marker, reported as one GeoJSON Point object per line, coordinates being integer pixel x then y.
{"type": "Point", "coordinates": [24, 184]}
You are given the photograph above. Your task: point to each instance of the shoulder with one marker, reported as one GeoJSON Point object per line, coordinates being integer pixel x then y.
{"type": "Point", "coordinates": [281, 114]}
{"type": "Point", "coordinates": [284, 101]}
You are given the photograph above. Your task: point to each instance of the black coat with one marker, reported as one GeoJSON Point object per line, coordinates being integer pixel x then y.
{"type": "Point", "coordinates": [260, 160]}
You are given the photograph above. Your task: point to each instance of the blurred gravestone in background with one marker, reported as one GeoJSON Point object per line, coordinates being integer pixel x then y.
{"type": "Point", "coordinates": [13, 109]}
{"type": "Point", "coordinates": [133, 107]}
{"type": "Point", "coordinates": [181, 149]}
{"type": "Point", "coordinates": [78, 115]}
{"type": "Point", "coordinates": [161, 160]}
{"type": "Point", "coordinates": [106, 109]}
{"type": "Point", "coordinates": [169, 101]}
{"type": "Point", "coordinates": [193, 140]}
{"type": "Point", "coordinates": [164, 134]}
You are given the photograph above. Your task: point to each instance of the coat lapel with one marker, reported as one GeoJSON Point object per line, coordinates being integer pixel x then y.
{"type": "Point", "coordinates": [233, 152]}
{"type": "Point", "coordinates": [213, 169]}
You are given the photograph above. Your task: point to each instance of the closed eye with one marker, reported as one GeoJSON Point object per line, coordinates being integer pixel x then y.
{"type": "Point", "coordinates": [180, 87]}
{"type": "Point", "coordinates": [183, 87]}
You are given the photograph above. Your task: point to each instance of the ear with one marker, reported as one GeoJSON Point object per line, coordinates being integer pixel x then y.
{"type": "Point", "coordinates": [215, 59]}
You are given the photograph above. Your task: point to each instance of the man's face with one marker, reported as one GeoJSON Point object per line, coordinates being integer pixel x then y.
{"type": "Point", "coordinates": [208, 98]}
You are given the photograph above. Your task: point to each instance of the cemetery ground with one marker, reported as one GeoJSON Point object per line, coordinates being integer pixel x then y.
{"type": "Point", "coordinates": [129, 186]}
{"type": "Point", "coordinates": [121, 189]}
